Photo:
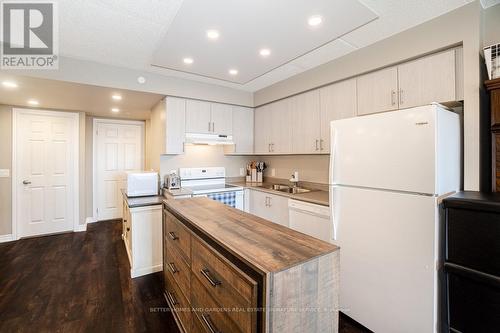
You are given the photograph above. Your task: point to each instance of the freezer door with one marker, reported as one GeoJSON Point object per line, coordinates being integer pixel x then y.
{"type": "Point", "coordinates": [387, 263]}
{"type": "Point", "coordinates": [392, 150]}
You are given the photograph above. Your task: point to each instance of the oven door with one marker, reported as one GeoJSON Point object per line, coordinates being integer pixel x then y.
{"type": "Point", "coordinates": [233, 199]}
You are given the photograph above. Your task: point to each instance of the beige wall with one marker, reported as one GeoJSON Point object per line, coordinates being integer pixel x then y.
{"type": "Point", "coordinates": [461, 26]}
{"type": "Point", "coordinates": [156, 133]}
{"type": "Point", "coordinates": [311, 168]}
{"type": "Point", "coordinates": [6, 163]}
{"type": "Point", "coordinates": [204, 156]}
{"type": "Point", "coordinates": [491, 25]}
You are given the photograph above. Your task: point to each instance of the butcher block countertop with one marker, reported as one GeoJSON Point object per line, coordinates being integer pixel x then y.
{"type": "Point", "coordinates": [261, 244]}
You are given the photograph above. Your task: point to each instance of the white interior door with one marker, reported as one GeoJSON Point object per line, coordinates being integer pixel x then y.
{"type": "Point", "coordinates": [46, 177]}
{"type": "Point", "coordinates": [119, 148]}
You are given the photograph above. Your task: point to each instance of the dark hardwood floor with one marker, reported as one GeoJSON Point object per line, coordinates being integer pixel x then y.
{"type": "Point", "coordinates": [80, 282]}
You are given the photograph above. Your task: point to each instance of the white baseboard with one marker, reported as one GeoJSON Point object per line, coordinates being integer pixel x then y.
{"type": "Point", "coordinates": [90, 220]}
{"type": "Point", "coordinates": [145, 270]}
{"type": "Point", "coordinates": [80, 228]}
{"type": "Point", "coordinates": [6, 238]}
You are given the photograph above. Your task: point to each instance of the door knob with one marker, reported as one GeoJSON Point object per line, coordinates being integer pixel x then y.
{"type": "Point", "coordinates": [26, 182]}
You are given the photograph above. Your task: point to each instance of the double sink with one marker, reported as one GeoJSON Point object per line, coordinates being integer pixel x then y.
{"type": "Point", "coordinates": [288, 189]}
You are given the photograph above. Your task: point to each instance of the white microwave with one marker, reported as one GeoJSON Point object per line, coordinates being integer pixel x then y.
{"type": "Point", "coordinates": [140, 184]}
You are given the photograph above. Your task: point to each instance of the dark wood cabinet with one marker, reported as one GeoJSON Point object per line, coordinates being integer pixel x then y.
{"type": "Point", "coordinates": [493, 86]}
{"type": "Point", "coordinates": [471, 281]}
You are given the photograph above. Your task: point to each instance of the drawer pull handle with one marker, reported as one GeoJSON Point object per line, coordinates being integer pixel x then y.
{"type": "Point", "coordinates": [206, 274]}
{"type": "Point", "coordinates": [208, 322]}
{"type": "Point", "coordinates": [171, 299]}
{"type": "Point", "coordinates": [172, 267]}
{"type": "Point", "coordinates": [173, 235]}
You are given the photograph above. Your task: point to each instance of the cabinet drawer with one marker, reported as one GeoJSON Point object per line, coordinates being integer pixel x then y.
{"type": "Point", "coordinates": [178, 234]}
{"type": "Point", "coordinates": [208, 311]}
{"type": "Point", "coordinates": [473, 239]}
{"type": "Point", "coordinates": [178, 302]}
{"type": "Point", "coordinates": [229, 286]}
{"type": "Point", "coordinates": [179, 269]}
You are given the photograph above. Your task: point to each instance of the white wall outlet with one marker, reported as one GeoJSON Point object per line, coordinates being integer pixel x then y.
{"type": "Point", "coordinates": [4, 173]}
{"type": "Point", "coordinates": [273, 172]}
{"type": "Point", "coordinates": [242, 171]}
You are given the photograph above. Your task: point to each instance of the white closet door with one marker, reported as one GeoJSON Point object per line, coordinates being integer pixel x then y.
{"type": "Point", "coordinates": [119, 148]}
{"type": "Point", "coordinates": [46, 171]}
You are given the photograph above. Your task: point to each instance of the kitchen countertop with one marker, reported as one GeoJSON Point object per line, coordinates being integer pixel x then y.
{"type": "Point", "coordinates": [319, 197]}
{"type": "Point", "coordinates": [134, 202]}
{"type": "Point", "coordinates": [264, 245]}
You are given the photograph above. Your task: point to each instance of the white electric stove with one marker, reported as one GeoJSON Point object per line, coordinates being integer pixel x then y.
{"type": "Point", "coordinates": [211, 182]}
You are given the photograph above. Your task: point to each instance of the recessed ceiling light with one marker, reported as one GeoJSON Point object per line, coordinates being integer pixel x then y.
{"type": "Point", "coordinates": [141, 79]}
{"type": "Point", "coordinates": [188, 61]}
{"type": "Point", "coordinates": [116, 97]}
{"type": "Point", "coordinates": [9, 84]}
{"type": "Point", "coordinates": [265, 52]}
{"type": "Point", "coordinates": [115, 110]}
{"type": "Point", "coordinates": [33, 102]}
{"type": "Point", "coordinates": [233, 71]}
{"type": "Point", "coordinates": [213, 34]}
{"type": "Point", "coordinates": [315, 20]}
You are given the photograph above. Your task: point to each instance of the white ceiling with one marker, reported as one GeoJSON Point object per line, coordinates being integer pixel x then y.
{"type": "Point", "coordinates": [60, 95]}
{"type": "Point", "coordinates": [245, 27]}
{"type": "Point", "coordinates": [134, 33]}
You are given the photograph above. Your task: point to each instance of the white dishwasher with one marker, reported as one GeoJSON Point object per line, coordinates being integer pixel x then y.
{"type": "Point", "coordinates": [310, 219]}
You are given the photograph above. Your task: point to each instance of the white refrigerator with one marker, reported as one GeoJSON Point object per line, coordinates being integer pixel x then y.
{"type": "Point", "coordinates": [388, 173]}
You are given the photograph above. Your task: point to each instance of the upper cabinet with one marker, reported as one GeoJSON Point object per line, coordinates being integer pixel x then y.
{"type": "Point", "coordinates": [175, 129]}
{"type": "Point", "coordinates": [222, 119]}
{"type": "Point", "coordinates": [198, 117]}
{"type": "Point", "coordinates": [208, 118]}
{"type": "Point", "coordinates": [273, 128]}
{"type": "Point", "coordinates": [337, 101]}
{"type": "Point", "coordinates": [243, 131]}
{"type": "Point", "coordinates": [306, 123]}
{"type": "Point", "coordinates": [433, 78]}
{"type": "Point", "coordinates": [377, 91]}
{"type": "Point", "coordinates": [426, 80]}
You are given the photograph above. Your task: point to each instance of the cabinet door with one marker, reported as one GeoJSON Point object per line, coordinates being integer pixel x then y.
{"type": "Point", "coordinates": [377, 91]}
{"type": "Point", "coordinates": [222, 119]}
{"type": "Point", "coordinates": [281, 127]}
{"type": "Point", "coordinates": [426, 80]}
{"type": "Point", "coordinates": [258, 204]}
{"type": "Point", "coordinates": [197, 117]}
{"type": "Point", "coordinates": [278, 209]}
{"type": "Point", "coordinates": [262, 128]}
{"type": "Point", "coordinates": [337, 101]}
{"type": "Point", "coordinates": [305, 113]}
{"type": "Point", "coordinates": [175, 125]}
{"type": "Point", "coordinates": [243, 130]}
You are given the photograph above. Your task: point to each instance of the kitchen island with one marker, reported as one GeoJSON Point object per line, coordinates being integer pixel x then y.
{"type": "Point", "coordinates": [230, 271]}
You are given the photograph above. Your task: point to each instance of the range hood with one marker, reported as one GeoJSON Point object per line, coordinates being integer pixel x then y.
{"type": "Point", "coordinates": [209, 139]}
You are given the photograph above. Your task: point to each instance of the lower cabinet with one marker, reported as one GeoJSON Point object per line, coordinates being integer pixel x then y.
{"type": "Point", "coordinates": [269, 206]}
{"type": "Point", "coordinates": [142, 238]}
{"type": "Point", "coordinates": [202, 280]}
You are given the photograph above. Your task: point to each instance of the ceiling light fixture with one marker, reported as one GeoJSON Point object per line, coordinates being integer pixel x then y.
{"type": "Point", "coordinates": [315, 20]}
{"type": "Point", "coordinates": [188, 61]}
{"type": "Point", "coordinates": [141, 79]}
{"type": "Point", "coordinates": [212, 34]}
{"type": "Point", "coordinates": [265, 52]}
{"type": "Point", "coordinates": [233, 71]}
{"type": "Point", "coordinates": [115, 110]}
{"type": "Point", "coordinates": [116, 97]}
{"type": "Point", "coordinates": [9, 84]}
{"type": "Point", "coordinates": [33, 102]}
